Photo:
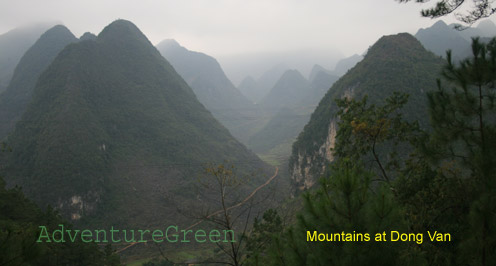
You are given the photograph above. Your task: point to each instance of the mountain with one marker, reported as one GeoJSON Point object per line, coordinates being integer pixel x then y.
{"type": "Point", "coordinates": [467, 33]}
{"type": "Point", "coordinates": [320, 83]}
{"type": "Point", "coordinates": [250, 88]}
{"type": "Point", "coordinates": [213, 89]}
{"type": "Point", "coordinates": [282, 129]}
{"type": "Point", "coordinates": [345, 64]}
{"type": "Point", "coordinates": [263, 84]}
{"type": "Point", "coordinates": [289, 91]}
{"type": "Point", "coordinates": [341, 68]}
{"type": "Point", "coordinates": [288, 106]}
{"type": "Point", "coordinates": [393, 63]}
{"type": "Point", "coordinates": [440, 37]}
{"type": "Point", "coordinates": [21, 220]}
{"type": "Point", "coordinates": [269, 79]}
{"type": "Point", "coordinates": [13, 45]}
{"type": "Point", "coordinates": [87, 36]}
{"type": "Point", "coordinates": [275, 138]}
{"type": "Point", "coordinates": [487, 28]}
{"type": "Point", "coordinates": [114, 136]}
{"type": "Point", "coordinates": [14, 100]}
{"type": "Point", "coordinates": [316, 69]}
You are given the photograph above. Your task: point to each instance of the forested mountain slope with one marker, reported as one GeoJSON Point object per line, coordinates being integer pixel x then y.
{"type": "Point", "coordinates": [113, 135]}
{"type": "Point", "coordinates": [14, 100]}
{"type": "Point", "coordinates": [393, 63]}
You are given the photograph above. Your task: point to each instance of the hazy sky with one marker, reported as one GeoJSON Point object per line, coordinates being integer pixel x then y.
{"type": "Point", "coordinates": [227, 28]}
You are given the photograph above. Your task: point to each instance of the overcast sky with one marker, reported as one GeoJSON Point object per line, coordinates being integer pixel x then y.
{"type": "Point", "coordinates": [227, 28]}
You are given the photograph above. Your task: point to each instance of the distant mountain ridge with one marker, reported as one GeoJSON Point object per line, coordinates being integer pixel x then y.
{"type": "Point", "coordinates": [87, 36]}
{"type": "Point", "coordinates": [289, 91]}
{"type": "Point", "coordinates": [289, 105]}
{"type": "Point", "coordinates": [257, 90]}
{"type": "Point", "coordinates": [319, 85]}
{"type": "Point", "coordinates": [13, 45]}
{"type": "Point", "coordinates": [212, 87]}
{"type": "Point", "coordinates": [345, 64]}
{"type": "Point", "coordinates": [14, 100]}
{"type": "Point", "coordinates": [441, 37]}
{"type": "Point", "coordinates": [316, 69]}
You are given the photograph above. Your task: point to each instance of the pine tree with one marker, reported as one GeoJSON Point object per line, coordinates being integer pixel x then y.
{"type": "Point", "coordinates": [479, 9]}
{"type": "Point", "coordinates": [346, 202]}
{"type": "Point", "coordinates": [463, 143]}
{"type": "Point", "coordinates": [260, 243]}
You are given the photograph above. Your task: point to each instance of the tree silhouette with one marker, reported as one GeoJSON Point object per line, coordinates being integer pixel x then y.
{"type": "Point", "coordinates": [480, 9]}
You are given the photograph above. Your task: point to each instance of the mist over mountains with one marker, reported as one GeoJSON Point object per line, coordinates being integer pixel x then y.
{"type": "Point", "coordinates": [110, 130]}
{"type": "Point", "coordinates": [441, 37]}
{"type": "Point", "coordinates": [238, 67]}
{"type": "Point", "coordinates": [256, 90]}
{"type": "Point", "coordinates": [13, 45]}
{"type": "Point", "coordinates": [211, 86]}
{"type": "Point", "coordinates": [110, 118]}
{"type": "Point", "coordinates": [14, 101]}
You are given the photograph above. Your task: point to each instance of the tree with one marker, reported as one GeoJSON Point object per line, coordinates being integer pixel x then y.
{"type": "Point", "coordinates": [20, 221]}
{"type": "Point", "coordinates": [350, 209]}
{"type": "Point", "coordinates": [225, 181]}
{"type": "Point", "coordinates": [371, 133]}
{"type": "Point", "coordinates": [221, 190]}
{"type": "Point", "coordinates": [260, 242]}
{"type": "Point", "coordinates": [463, 143]}
{"type": "Point", "coordinates": [480, 9]}
{"type": "Point", "coordinates": [19, 231]}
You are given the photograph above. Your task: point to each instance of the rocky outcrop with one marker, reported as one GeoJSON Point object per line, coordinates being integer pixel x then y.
{"type": "Point", "coordinates": [308, 168]}
{"type": "Point", "coordinates": [78, 206]}
{"type": "Point", "coordinates": [387, 68]}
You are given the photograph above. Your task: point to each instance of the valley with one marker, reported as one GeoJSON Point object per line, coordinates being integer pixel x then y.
{"type": "Point", "coordinates": [194, 153]}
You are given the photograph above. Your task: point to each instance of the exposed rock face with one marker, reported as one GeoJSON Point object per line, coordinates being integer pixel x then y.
{"type": "Point", "coordinates": [80, 205]}
{"type": "Point", "coordinates": [394, 63]}
{"type": "Point", "coordinates": [326, 148]}
{"type": "Point", "coordinates": [308, 169]}
{"type": "Point", "coordinates": [300, 172]}
{"type": "Point", "coordinates": [302, 175]}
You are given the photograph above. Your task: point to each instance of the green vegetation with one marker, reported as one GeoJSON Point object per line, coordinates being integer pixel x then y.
{"type": "Point", "coordinates": [288, 105]}
{"type": "Point", "coordinates": [284, 126]}
{"type": "Point", "coordinates": [19, 230]}
{"type": "Point", "coordinates": [14, 101]}
{"type": "Point", "coordinates": [278, 156]}
{"type": "Point", "coordinates": [446, 184]}
{"type": "Point", "coordinates": [113, 136]}
{"type": "Point", "coordinates": [394, 63]}
{"type": "Point", "coordinates": [343, 203]}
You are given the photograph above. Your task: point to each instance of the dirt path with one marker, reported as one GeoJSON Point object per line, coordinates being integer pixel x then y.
{"type": "Point", "coordinates": [219, 211]}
